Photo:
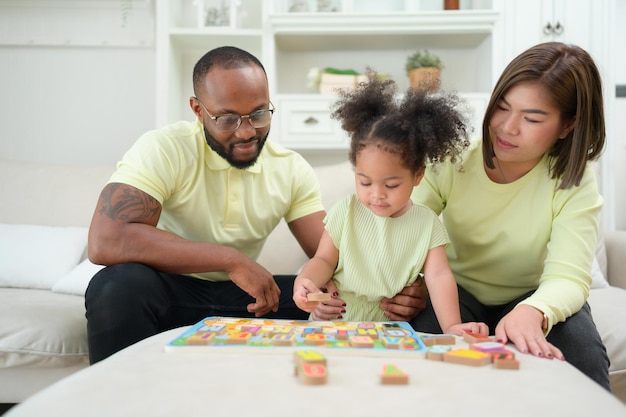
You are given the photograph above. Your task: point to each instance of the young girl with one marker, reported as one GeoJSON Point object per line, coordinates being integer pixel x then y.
{"type": "Point", "coordinates": [377, 241]}
{"type": "Point", "coordinates": [523, 212]}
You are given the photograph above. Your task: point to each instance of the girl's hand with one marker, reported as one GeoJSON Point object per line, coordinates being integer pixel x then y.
{"type": "Point", "coordinates": [471, 327]}
{"type": "Point", "coordinates": [522, 327]}
{"type": "Point", "coordinates": [331, 309]}
{"type": "Point", "coordinates": [301, 290]}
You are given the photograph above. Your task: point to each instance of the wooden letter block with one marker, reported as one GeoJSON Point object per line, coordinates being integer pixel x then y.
{"type": "Point", "coordinates": [467, 357]}
{"type": "Point", "coordinates": [391, 375]}
{"type": "Point", "coordinates": [361, 342]}
{"type": "Point", "coordinates": [318, 296]}
{"type": "Point", "coordinates": [396, 332]}
{"type": "Point", "coordinates": [284, 339]}
{"type": "Point", "coordinates": [253, 330]}
{"type": "Point", "coordinates": [309, 356]}
{"type": "Point", "coordinates": [200, 338]}
{"type": "Point", "coordinates": [505, 360]}
{"type": "Point", "coordinates": [218, 329]}
{"type": "Point", "coordinates": [372, 333]}
{"type": "Point", "coordinates": [315, 339]}
{"type": "Point", "coordinates": [436, 352]}
{"type": "Point", "coordinates": [506, 364]}
{"type": "Point", "coordinates": [238, 338]}
{"type": "Point", "coordinates": [392, 342]}
{"type": "Point", "coordinates": [311, 373]}
{"type": "Point", "coordinates": [470, 337]}
{"type": "Point", "coordinates": [488, 347]}
{"type": "Point", "coordinates": [438, 339]}
{"type": "Point", "coordinates": [342, 334]}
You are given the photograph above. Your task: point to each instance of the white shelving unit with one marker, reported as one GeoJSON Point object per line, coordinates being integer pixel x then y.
{"type": "Point", "coordinates": [475, 43]}
{"type": "Point", "coordinates": [361, 34]}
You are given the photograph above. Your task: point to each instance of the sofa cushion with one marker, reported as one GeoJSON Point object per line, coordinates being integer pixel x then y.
{"type": "Point", "coordinates": [39, 328]}
{"type": "Point", "coordinates": [77, 280]}
{"type": "Point", "coordinates": [36, 256]}
{"type": "Point", "coordinates": [50, 194]}
{"type": "Point", "coordinates": [281, 253]}
{"type": "Point", "coordinates": [607, 307]}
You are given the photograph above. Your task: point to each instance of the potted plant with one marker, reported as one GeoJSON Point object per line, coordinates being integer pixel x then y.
{"type": "Point", "coordinates": [424, 69]}
{"type": "Point", "coordinates": [329, 79]}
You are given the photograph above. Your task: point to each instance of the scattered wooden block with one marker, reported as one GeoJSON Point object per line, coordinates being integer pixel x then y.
{"type": "Point", "coordinates": [392, 375]}
{"type": "Point", "coordinates": [506, 355]}
{"type": "Point", "coordinates": [318, 296]}
{"type": "Point", "coordinates": [309, 356]}
{"type": "Point", "coordinates": [436, 352]}
{"type": "Point", "coordinates": [310, 367]}
{"type": "Point", "coordinates": [505, 362]}
{"type": "Point", "coordinates": [311, 373]}
{"type": "Point", "coordinates": [467, 357]}
{"type": "Point", "coordinates": [438, 339]}
{"type": "Point", "coordinates": [488, 347]}
{"type": "Point", "coordinates": [470, 338]}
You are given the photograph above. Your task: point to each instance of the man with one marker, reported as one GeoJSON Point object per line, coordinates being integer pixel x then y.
{"type": "Point", "coordinates": [187, 212]}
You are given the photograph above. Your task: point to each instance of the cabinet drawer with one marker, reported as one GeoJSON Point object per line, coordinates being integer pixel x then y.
{"type": "Point", "coordinates": [305, 123]}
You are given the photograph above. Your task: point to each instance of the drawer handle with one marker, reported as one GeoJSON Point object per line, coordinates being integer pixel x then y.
{"type": "Point", "coordinates": [311, 121]}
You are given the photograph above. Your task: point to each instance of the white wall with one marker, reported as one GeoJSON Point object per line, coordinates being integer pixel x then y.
{"type": "Point", "coordinates": [619, 113]}
{"type": "Point", "coordinates": [77, 84]}
{"type": "Point", "coordinates": [77, 79]}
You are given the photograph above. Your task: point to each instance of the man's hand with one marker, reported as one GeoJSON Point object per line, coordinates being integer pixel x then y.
{"type": "Point", "coordinates": [258, 282]}
{"type": "Point", "coordinates": [407, 304]}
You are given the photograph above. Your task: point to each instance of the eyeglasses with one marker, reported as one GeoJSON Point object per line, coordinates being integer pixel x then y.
{"type": "Point", "coordinates": [230, 122]}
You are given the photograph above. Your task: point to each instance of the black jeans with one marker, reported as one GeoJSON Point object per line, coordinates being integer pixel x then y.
{"type": "Point", "coordinates": [127, 303]}
{"type": "Point", "coordinates": [577, 337]}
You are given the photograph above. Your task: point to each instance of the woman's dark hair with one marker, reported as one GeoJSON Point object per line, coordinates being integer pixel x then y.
{"type": "Point", "coordinates": [570, 79]}
{"type": "Point", "coordinates": [419, 127]}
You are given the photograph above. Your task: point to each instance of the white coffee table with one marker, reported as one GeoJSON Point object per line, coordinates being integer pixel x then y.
{"type": "Point", "coordinates": [144, 380]}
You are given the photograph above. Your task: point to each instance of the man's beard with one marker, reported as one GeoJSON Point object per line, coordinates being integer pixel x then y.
{"type": "Point", "coordinates": [227, 154]}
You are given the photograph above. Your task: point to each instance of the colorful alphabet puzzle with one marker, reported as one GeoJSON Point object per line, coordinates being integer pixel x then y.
{"type": "Point", "coordinates": [368, 338]}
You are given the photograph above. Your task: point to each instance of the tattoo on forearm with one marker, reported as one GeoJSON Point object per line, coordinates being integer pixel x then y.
{"type": "Point", "coordinates": [121, 202]}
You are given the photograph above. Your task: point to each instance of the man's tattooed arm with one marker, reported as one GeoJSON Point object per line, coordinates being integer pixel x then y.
{"type": "Point", "coordinates": [121, 202]}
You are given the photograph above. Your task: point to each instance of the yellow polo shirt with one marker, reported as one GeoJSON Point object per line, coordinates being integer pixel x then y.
{"type": "Point", "coordinates": [206, 199]}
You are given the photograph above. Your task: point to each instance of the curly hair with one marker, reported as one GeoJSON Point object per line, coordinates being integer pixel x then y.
{"type": "Point", "coordinates": [419, 127]}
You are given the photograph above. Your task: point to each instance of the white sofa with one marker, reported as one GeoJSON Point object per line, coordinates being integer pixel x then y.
{"type": "Point", "coordinates": [44, 217]}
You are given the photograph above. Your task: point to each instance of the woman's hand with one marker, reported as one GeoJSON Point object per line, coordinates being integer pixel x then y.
{"type": "Point", "coordinates": [522, 327]}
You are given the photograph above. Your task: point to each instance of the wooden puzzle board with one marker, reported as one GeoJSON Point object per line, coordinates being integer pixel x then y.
{"type": "Point", "coordinates": [275, 336]}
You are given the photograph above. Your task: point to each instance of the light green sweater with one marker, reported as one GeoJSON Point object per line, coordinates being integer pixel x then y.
{"type": "Point", "coordinates": [508, 239]}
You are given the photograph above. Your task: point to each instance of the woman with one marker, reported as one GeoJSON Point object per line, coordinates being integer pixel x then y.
{"type": "Point", "coordinates": [522, 210]}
